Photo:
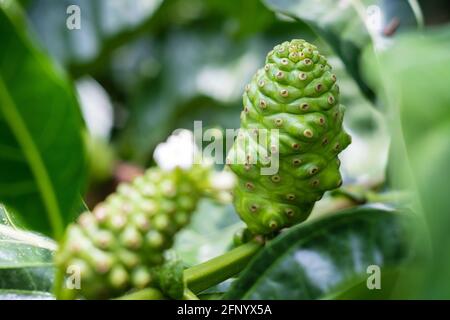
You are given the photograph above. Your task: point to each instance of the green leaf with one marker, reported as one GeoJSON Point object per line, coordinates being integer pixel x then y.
{"type": "Point", "coordinates": [344, 25]}
{"type": "Point", "coordinates": [26, 266]}
{"type": "Point", "coordinates": [42, 165]}
{"type": "Point", "coordinates": [25, 295]}
{"type": "Point", "coordinates": [209, 234]}
{"type": "Point", "coordinates": [326, 258]}
{"type": "Point", "coordinates": [418, 98]}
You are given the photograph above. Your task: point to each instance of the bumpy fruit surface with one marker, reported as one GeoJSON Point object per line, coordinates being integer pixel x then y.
{"type": "Point", "coordinates": [118, 245]}
{"type": "Point", "coordinates": [296, 93]}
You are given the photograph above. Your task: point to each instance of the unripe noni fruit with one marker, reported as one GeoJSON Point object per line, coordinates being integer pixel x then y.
{"type": "Point", "coordinates": [295, 93]}
{"type": "Point", "coordinates": [116, 247]}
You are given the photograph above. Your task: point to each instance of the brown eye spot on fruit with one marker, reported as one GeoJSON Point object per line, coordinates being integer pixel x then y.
{"type": "Point", "coordinates": [284, 93]}
{"type": "Point", "coordinates": [262, 104]}
{"type": "Point", "coordinates": [319, 87]}
{"type": "Point", "coordinates": [278, 122]}
{"type": "Point", "coordinates": [276, 178]}
{"type": "Point", "coordinates": [290, 196]}
{"type": "Point", "coordinates": [289, 212]}
{"type": "Point", "coordinates": [308, 133]}
{"type": "Point", "coordinates": [331, 100]}
{"type": "Point", "coordinates": [304, 106]}
{"type": "Point", "coordinates": [302, 76]}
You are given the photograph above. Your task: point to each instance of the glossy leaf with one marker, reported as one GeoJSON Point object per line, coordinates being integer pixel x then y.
{"type": "Point", "coordinates": [345, 25]}
{"type": "Point", "coordinates": [26, 266]}
{"type": "Point", "coordinates": [42, 153]}
{"type": "Point", "coordinates": [326, 258]}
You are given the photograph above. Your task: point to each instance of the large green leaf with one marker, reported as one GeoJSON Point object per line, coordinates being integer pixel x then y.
{"type": "Point", "coordinates": [417, 93]}
{"type": "Point", "coordinates": [345, 24]}
{"type": "Point", "coordinates": [327, 258]}
{"type": "Point", "coordinates": [26, 267]}
{"type": "Point", "coordinates": [42, 154]}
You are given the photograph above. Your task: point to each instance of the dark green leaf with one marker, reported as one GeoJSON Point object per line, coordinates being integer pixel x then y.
{"type": "Point", "coordinates": [328, 257]}
{"type": "Point", "coordinates": [343, 24]}
{"type": "Point", "coordinates": [42, 154]}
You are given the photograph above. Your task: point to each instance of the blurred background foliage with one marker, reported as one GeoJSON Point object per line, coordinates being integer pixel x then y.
{"type": "Point", "coordinates": [144, 68]}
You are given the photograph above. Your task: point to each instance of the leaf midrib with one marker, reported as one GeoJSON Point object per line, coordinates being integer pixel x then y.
{"type": "Point", "coordinates": [33, 158]}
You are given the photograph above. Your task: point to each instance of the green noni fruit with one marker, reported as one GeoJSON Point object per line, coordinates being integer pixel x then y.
{"type": "Point", "coordinates": [295, 93]}
{"type": "Point", "coordinates": [121, 244]}
{"type": "Point", "coordinates": [116, 245]}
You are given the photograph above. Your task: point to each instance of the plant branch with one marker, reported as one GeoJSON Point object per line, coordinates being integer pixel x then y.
{"type": "Point", "coordinates": [214, 271]}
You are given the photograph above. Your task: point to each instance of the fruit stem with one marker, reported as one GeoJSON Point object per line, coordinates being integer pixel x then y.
{"type": "Point", "coordinates": [189, 295]}
{"type": "Point", "coordinates": [221, 268]}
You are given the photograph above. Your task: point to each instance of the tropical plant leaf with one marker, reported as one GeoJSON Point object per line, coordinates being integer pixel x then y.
{"type": "Point", "coordinates": [328, 257]}
{"type": "Point", "coordinates": [209, 234]}
{"type": "Point", "coordinates": [345, 25]}
{"type": "Point", "coordinates": [417, 93]}
{"type": "Point", "coordinates": [42, 154]}
{"type": "Point", "coordinates": [26, 266]}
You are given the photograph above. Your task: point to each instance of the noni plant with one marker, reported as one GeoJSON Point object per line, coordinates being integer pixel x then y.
{"type": "Point", "coordinates": [296, 93]}
{"type": "Point", "coordinates": [118, 245]}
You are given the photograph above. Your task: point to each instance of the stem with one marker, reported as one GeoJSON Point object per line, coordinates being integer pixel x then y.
{"type": "Point", "coordinates": [189, 295]}
{"type": "Point", "coordinates": [214, 271]}
{"type": "Point", "coordinates": [145, 294]}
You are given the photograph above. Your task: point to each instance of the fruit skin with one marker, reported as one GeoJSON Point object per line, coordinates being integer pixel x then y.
{"type": "Point", "coordinates": [121, 244]}
{"type": "Point", "coordinates": [296, 93]}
